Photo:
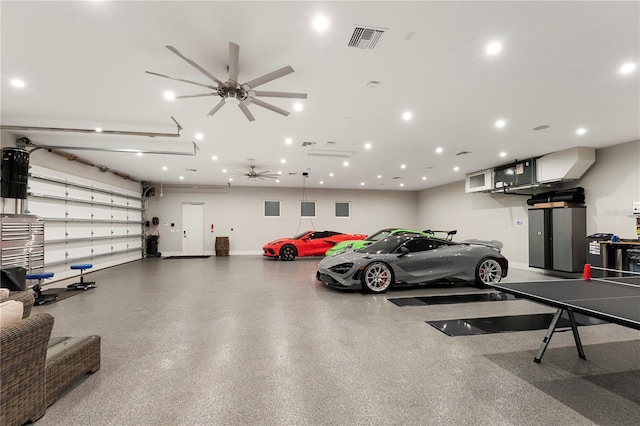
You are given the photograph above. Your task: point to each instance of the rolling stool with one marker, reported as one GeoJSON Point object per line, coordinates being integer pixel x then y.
{"type": "Point", "coordinates": [82, 284]}
{"type": "Point", "coordinates": [41, 299]}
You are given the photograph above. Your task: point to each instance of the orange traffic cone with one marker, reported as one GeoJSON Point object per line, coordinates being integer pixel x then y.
{"type": "Point", "coordinates": [586, 273]}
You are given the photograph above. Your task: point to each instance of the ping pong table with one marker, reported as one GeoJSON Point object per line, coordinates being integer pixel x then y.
{"type": "Point", "coordinates": [612, 299]}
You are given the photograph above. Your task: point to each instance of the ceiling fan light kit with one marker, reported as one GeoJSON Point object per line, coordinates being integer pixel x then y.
{"type": "Point", "coordinates": [231, 91]}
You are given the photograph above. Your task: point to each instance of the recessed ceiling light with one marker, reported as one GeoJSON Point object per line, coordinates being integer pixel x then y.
{"type": "Point", "coordinates": [379, 176]}
{"type": "Point", "coordinates": [438, 150]}
{"type": "Point", "coordinates": [230, 179]}
{"type": "Point", "coordinates": [298, 106]}
{"type": "Point", "coordinates": [456, 168]}
{"type": "Point", "coordinates": [199, 136]}
{"type": "Point", "coordinates": [279, 172]}
{"type": "Point", "coordinates": [331, 174]}
{"type": "Point", "coordinates": [403, 166]}
{"type": "Point", "coordinates": [424, 178]}
{"type": "Point", "coordinates": [98, 130]}
{"type": "Point", "coordinates": [581, 131]}
{"type": "Point", "coordinates": [407, 115]}
{"type": "Point", "coordinates": [367, 145]}
{"type": "Point", "coordinates": [346, 163]}
{"type": "Point", "coordinates": [139, 154]}
{"type": "Point", "coordinates": [165, 168]}
{"type": "Point", "coordinates": [402, 184]}
{"type": "Point", "coordinates": [277, 180]}
{"type": "Point", "coordinates": [224, 170]}
{"type": "Point", "coordinates": [503, 154]}
{"type": "Point", "coordinates": [16, 82]}
{"type": "Point", "coordinates": [628, 68]}
{"type": "Point", "coordinates": [283, 161]}
{"type": "Point", "coordinates": [181, 178]}
{"type": "Point", "coordinates": [214, 157]}
{"type": "Point", "coordinates": [321, 182]}
{"type": "Point", "coordinates": [288, 141]}
{"type": "Point", "coordinates": [493, 48]}
{"type": "Point", "coordinates": [361, 183]}
{"type": "Point", "coordinates": [500, 124]}
{"type": "Point", "coordinates": [169, 96]}
{"type": "Point", "coordinates": [320, 23]}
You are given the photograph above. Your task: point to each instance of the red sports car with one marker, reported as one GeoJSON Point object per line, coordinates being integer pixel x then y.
{"type": "Point", "coordinates": [310, 243]}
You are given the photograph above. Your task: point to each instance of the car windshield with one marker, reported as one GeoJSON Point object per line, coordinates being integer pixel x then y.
{"type": "Point", "coordinates": [387, 245]}
{"type": "Point", "coordinates": [379, 235]}
{"type": "Point", "coordinates": [297, 237]}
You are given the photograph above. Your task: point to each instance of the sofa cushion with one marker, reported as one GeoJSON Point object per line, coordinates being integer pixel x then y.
{"type": "Point", "coordinates": [10, 312]}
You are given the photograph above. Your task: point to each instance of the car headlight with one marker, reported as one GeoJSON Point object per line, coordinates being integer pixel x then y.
{"type": "Point", "coordinates": [342, 268]}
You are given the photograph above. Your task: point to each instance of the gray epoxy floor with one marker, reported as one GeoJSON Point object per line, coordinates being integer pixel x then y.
{"type": "Point", "coordinates": [244, 340]}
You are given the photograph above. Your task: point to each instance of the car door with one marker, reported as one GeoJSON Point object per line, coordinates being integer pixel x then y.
{"type": "Point", "coordinates": [423, 262]}
{"type": "Point", "coordinates": [316, 245]}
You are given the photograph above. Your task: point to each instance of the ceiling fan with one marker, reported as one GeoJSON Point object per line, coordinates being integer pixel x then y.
{"type": "Point", "coordinates": [233, 92]}
{"type": "Point", "coordinates": [253, 174]}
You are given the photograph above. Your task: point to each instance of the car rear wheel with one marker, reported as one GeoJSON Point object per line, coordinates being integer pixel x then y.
{"type": "Point", "coordinates": [488, 271]}
{"type": "Point", "coordinates": [377, 277]}
{"type": "Point", "coordinates": [288, 252]}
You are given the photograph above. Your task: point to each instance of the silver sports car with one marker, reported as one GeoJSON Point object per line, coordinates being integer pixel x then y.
{"type": "Point", "coordinates": [412, 259]}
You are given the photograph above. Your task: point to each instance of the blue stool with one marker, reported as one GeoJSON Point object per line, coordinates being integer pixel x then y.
{"type": "Point", "coordinates": [82, 284]}
{"type": "Point", "coordinates": [37, 288]}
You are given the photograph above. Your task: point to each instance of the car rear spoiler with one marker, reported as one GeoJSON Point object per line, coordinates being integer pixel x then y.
{"type": "Point", "coordinates": [493, 243]}
{"type": "Point", "coordinates": [450, 234]}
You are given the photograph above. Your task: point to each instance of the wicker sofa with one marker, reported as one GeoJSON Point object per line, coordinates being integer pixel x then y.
{"type": "Point", "coordinates": [36, 369]}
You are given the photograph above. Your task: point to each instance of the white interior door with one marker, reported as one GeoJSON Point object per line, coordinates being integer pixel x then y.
{"type": "Point", "coordinates": [192, 229]}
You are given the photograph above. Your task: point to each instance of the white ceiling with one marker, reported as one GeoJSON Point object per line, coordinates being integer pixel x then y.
{"type": "Point", "coordinates": [84, 67]}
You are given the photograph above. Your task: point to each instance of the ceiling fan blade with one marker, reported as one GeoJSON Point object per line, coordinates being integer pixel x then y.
{"type": "Point", "coordinates": [246, 111]}
{"type": "Point", "coordinates": [208, 86]}
{"type": "Point", "coordinates": [273, 108]}
{"type": "Point", "coordinates": [193, 64]}
{"type": "Point", "coordinates": [280, 94]}
{"type": "Point", "coordinates": [234, 53]}
{"type": "Point", "coordinates": [196, 96]}
{"type": "Point", "coordinates": [217, 107]}
{"type": "Point", "coordinates": [269, 77]}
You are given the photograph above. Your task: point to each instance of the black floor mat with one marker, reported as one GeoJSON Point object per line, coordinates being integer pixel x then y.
{"type": "Point", "coordinates": [504, 324]}
{"type": "Point", "coordinates": [187, 257]}
{"type": "Point", "coordinates": [450, 299]}
{"type": "Point", "coordinates": [63, 293]}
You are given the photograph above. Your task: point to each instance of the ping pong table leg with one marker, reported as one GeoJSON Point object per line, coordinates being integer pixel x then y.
{"type": "Point", "coordinates": [576, 336]}
{"type": "Point", "coordinates": [547, 337]}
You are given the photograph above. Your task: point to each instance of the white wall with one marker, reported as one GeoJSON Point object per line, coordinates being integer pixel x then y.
{"type": "Point", "coordinates": [239, 215]}
{"type": "Point", "coordinates": [611, 185]}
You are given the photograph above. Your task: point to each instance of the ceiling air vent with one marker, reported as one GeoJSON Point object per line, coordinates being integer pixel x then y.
{"type": "Point", "coordinates": [330, 153]}
{"type": "Point", "coordinates": [365, 37]}
{"type": "Point", "coordinates": [308, 143]}
{"type": "Point", "coordinates": [464, 153]}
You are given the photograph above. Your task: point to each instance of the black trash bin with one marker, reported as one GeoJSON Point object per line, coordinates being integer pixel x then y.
{"type": "Point", "coordinates": [152, 246]}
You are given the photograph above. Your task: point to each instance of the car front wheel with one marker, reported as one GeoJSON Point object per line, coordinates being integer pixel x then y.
{"type": "Point", "coordinates": [288, 253]}
{"type": "Point", "coordinates": [377, 277]}
{"type": "Point", "coordinates": [488, 271]}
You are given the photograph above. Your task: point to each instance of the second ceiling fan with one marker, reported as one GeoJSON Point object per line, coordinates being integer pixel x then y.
{"type": "Point", "coordinates": [233, 92]}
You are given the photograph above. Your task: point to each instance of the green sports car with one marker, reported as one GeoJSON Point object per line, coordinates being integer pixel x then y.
{"type": "Point", "coordinates": [384, 233]}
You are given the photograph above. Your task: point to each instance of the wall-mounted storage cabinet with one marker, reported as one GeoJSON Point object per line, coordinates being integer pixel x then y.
{"type": "Point", "coordinates": [85, 221]}
{"type": "Point", "coordinates": [558, 238]}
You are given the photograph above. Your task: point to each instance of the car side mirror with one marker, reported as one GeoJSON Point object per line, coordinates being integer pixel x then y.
{"type": "Point", "coordinates": [403, 251]}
